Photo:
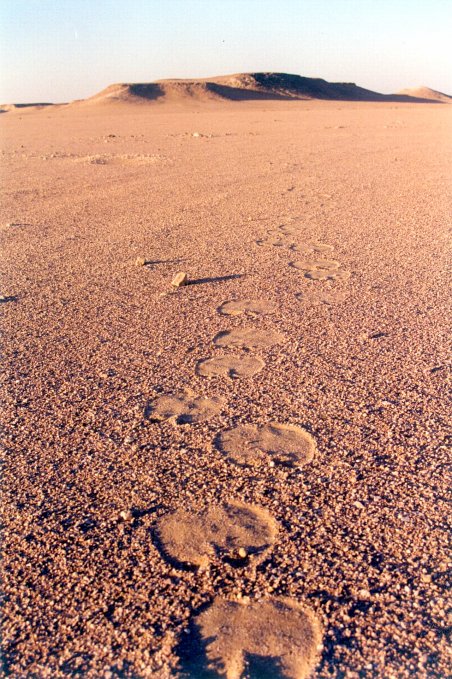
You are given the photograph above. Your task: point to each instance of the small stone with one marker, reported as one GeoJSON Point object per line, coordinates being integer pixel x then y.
{"type": "Point", "coordinates": [364, 594]}
{"type": "Point", "coordinates": [242, 553]}
{"type": "Point", "coordinates": [179, 279]}
{"type": "Point", "coordinates": [125, 515]}
{"type": "Point", "coordinates": [195, 134]}
{"type": "Point", "coordinates": [140, 261]}
{"type": "Point", "coordinates": [358, 505]}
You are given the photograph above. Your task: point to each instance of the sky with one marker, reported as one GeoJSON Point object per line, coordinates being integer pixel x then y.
{"type": "Point", "coordinates": [60, 50]}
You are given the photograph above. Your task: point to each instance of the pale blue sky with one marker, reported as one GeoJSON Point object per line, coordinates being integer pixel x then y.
{"type": "Point", "coordinates": [58, 50]}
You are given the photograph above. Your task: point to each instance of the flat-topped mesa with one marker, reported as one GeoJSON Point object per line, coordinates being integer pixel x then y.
{"type": "Point", "coordinates": [242, 87]}
{"type": "Point", "coordinates": [237, 87]}
{"type": "Point", "coordinates": [252, 86]}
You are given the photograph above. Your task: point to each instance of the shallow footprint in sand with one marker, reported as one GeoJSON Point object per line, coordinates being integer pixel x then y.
{"type": "Point", "coordinates": [316, 297]}
{"type": "Point", "coordinates": [327, 275]}
{"type": "Point", "coordinates": [271, 241]}
{"type": "Point", "coordinates": [252, 445]}
{"type": "Point", "coordinates": [289, 230]}
{"type": "Point", "coordinates": [236, 307]}
{"type": "Point", "coordinates": [183, 408]}
{"type": "Point", "coordinates": [315, 264]}
{"type": "Point", "coordinates": [229, 366]}
{"type": "Point", "coordinates": [321, 248]}
{"type": "Point", "coordinates": [248, 337]}
{"type": "Point", "coordinates": [274, 637]}
{"type": "Point", "coordinates": [233, 531]}
{"type": "Point", "coordinates": [312, 248]}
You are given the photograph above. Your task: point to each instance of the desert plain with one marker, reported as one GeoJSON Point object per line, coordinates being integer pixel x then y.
{"type": "Point", "coordinates": [247, 475]}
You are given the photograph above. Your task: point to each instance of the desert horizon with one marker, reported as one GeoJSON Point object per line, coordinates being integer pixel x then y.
{"type": "Point", "coordinates": [243, 87]}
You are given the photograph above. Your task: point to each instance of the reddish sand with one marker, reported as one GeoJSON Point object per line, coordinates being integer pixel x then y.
{"type": "Point", "coordinates": [357, 357]}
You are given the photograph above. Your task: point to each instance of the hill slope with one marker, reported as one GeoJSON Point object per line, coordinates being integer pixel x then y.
{"type": "Point", "coordinates": [240, 87]}
{"type": "Point", "coordinates": [427, 93]}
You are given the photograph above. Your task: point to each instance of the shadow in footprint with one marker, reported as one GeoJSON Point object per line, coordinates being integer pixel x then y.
{"type": "Point", "coordinates": [192, 652]}
{"type": "Point", "coordinates": [158, 542]}
{"type": "Point", "coordinates": [217, 279]}
{"type": "Point", "coordinates": [263, 667]}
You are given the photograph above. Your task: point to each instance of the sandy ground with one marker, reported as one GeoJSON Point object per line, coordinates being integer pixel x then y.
{"type": "Point", "coordinates": [90, 340]}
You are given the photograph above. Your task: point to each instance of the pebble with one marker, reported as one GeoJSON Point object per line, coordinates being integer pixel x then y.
{"type": "Point", "coordinates": [125, 515]}
{"type": "Point", "coordinates": [140, 261]}
{"type": "Point", "coordinates": [179, 279]}
{"type": "Point", "coordinates": [364, 594]}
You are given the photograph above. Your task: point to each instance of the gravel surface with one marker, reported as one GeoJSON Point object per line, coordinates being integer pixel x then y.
{"type": "Point", "coordinates": [361, 363]}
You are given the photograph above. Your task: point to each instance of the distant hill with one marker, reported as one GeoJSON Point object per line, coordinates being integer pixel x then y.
{"type": "Point", "coordinates": [427, 93]}
{"type": "Point", "coordinates": [243, 87]}
{"type": "Point", "coordinates": [240, 87]}
{"type": "Point", "coordinates": [4, 108]}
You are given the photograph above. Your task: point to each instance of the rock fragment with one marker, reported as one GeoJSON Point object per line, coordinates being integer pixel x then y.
{"type": "Point", "coordinates": [179, 279]}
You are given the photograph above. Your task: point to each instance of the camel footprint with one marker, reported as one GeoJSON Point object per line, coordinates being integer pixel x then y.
{"type": "Point", "coordinates": [321, 269]}
{"type": "Point", "coordinates": [252, 307]}
{"type": "Point", "coordinates": [183, 408]}
{"type": "Point", "coordinates": [232, 366]}
{"type": "Point", "coordinates": [234, 531]}
{"type": "Point", "coordinates": [273, 637]}
{"type": "Point", "coordinates": [252, 445]}
{"type": "Point", "coordinates": [248, 338]}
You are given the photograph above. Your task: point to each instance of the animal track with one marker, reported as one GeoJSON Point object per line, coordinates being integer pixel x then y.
{"type": "Point", "coordinates": [183, 409]}
{"type": "Point", "coordinates": [272, 241]}
{"type": "Point", "coordinates": [248, 338]}
{"type": "Point", "coordinates": [229, 366]}
{"type": "Point", "coordinates": [234, 531]}
{"type": "Point", "coordinates": [315, 264]}
{"type": "Point", "coordinates": [245, 306]}
{"type": "Point", "coordinates": [321, 269]}
{"type": "Point", "coordinates": [328, 275]}
{"type": "Point", "coordinates": [312, 248]}
{"type": "Point", "coordinates": [251, 445]}
{"type": "Point", "coordinates": [275, 637]}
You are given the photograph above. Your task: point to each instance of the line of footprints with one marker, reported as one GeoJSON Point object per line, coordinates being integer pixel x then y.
{"type": "Point", "coordinates": [278, 629]}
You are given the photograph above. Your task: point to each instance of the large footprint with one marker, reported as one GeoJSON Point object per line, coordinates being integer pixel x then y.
{"type": "Point", "coordinates": [329, 297]}
{"type": "Point", "coordinates": [229, 366]}
{"type": "Point", "coordinates": [328, 275]}
{"type": "Point", "coordinates": [272, 241]}
{"type": "Point", "coordinates": [183, 408]}
{"type": "Point", "coordinates": [251, 445]}
{"type": "Point", "coordinates": [234, 531]}
{"type": "Point", "coordinates": [313, 248]}
{"type": "Point", "coordinates": [248, 337]}
{"type": "Point", "coordinates": [321, 269]}
{"type": "Point", "coordinates": [236, 307]}
{"type": "Point", "coordinates": [315, 264]}
{"type": "Point", "coordinates": [275, 637]}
